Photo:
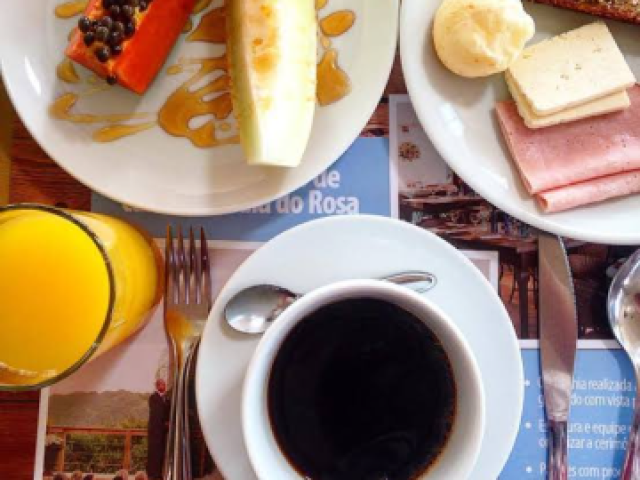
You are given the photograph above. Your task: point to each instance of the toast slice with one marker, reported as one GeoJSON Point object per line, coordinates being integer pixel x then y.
{"type": "Point", "coordinates": [622, 10]}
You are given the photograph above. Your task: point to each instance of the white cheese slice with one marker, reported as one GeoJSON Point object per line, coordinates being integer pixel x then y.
{"type": "Point", "coordinates": [610, 103]}
{"type": "Point", "coordinates": [571, 69]}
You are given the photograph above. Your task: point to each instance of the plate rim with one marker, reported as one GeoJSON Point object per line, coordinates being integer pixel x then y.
{"type": "Point", "coordinates": [189, 211]}
{"type": "Point", "coordinates": [399, 224]}
{"type": "Point", "coordinates": [540, 221]}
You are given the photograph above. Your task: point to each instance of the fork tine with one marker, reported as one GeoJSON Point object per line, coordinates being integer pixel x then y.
{"type": "Point", "coordinates": [194, 274]}
{"type": "Point", "coordinates": [184, 323]}
{"type": "Point", "coordinates": [206, 270]}
{"type": "Point", "coordinates": [170, 268]}
{"type": "Point", "coordinates": [183, 269]}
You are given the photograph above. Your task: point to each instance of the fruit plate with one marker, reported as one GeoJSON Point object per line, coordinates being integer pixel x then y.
{"type": "Point", "coordinates": [458, 116]}
{"type": "Point", "coordinates": [157, 165]}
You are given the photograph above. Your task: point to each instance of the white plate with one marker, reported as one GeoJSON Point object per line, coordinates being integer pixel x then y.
{"type": "Point", "coordinates": [166, 174]}
{"type": "Point", "coordinates": [340, 248]}
{"type": "Point", "coordinates": [458, 116]}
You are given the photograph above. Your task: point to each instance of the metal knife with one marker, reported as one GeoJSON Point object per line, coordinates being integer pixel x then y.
{"type": "Point", "coordinates": [558, 341]}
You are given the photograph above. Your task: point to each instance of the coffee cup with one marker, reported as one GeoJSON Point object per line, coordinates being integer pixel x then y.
{"type": "Point", "coordinates": [363, 379]}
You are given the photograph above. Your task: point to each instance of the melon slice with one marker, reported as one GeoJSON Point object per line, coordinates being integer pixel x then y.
{"type": "Point", "coordinates": [272, 62]}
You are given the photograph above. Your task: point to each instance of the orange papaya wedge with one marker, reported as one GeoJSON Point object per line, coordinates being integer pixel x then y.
{"type": "Point", "coordinates": [131, 59]}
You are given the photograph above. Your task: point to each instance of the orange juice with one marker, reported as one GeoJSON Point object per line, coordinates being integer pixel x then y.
{"type": "Point", "coordinates": [72, 285]}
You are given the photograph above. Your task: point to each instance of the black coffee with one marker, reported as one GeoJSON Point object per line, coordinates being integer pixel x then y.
{"type": "Point", "coordinates": [361, 390]}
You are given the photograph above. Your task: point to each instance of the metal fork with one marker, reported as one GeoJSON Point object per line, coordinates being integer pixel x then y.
{"type": "Point", "coordinates": [187, 305]}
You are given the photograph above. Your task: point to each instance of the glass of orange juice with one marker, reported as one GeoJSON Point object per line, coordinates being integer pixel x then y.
{"type": "Point", "coordinates": [72, 286]}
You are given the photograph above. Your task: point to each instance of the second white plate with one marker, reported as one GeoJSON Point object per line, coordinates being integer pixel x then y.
{"type": "Point", "coordinates": [458, 116]}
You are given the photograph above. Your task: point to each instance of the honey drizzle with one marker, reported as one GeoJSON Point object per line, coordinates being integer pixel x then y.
{"type": "Point", "coordinates": [198, 7]}
{"type": "Point", "coordinates": [184, 104]}
{"type": "Point", "coordinates": [201, 5]}
{"type": "Point", "coordinates": [70, 9]}
{"type": "Point", "coordinates": [61, 110]}
{"type": "Point", "coordinates": [211, 28]}
{"type": "Point", "coordinates": [337, 23]}
{"type": "Point", "coordinates": [325, 42]}
{"type": "Point", "coordinates": [187, 26]}
{"type": "Point", "coordinates": [95, 80]}
{"type": "Point", "coordinates": [118, 131]}
{"type": "Point", "coordinates": [94, 89]}
{"type": "Point", "coordinates": [66, 71]}
{"type": "Point", "coordinates": [333, 83]}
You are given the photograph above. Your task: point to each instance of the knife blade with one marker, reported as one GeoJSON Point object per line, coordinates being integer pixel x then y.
{"type": "Point", "coordinates": [558, 342]}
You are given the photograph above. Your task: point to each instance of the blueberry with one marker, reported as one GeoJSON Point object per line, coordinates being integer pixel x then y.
{"type": "Point", "coordinates": [103, 53]}
{"type": "Point", "coordinates": [130, 28]}
{"type": "Point", "coordinates": [106, 22]}
{"type": "Point", "coordinates": [84, 24]}
{"type": "Point", "coordinates": [115, 38]}
{"type": "Point", "coordinates": [102, 33]}
{"type": "Point", "coordinates": [127, 12]}
{"type": "Point", "coordinates": [118, 27]}
{"type": "Point", "coordinates": [89, 38]}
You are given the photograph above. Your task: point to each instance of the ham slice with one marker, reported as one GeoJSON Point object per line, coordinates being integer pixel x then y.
{"type": "Point", "coordinates": [576, 163]}
{"type": "Point", "coordinates": [592, 191]}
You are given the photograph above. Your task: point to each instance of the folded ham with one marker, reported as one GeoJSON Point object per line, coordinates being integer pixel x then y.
{"type": "Point", "coordinates": [592, 191]}
{"type": "Point", "coordinates": [569, 165]}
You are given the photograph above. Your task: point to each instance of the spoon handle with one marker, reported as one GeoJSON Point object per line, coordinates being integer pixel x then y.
{"type": "Point", "coordinates": [420, 282]}
{"type": "Point", "coordinates": [631, 469]}
{"type": "Point", "coordinates": [557, 450]}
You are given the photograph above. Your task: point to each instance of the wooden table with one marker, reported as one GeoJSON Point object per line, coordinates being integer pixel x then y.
{"type": "Point", "coordinates": [32, 176]}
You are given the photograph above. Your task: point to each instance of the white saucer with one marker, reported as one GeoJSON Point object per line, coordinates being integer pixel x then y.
{"type": "Point", "coordinates": [339, 248]}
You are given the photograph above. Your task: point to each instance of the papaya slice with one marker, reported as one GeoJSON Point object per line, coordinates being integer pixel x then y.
{"type": "Point", "coordinates": [132, 58]}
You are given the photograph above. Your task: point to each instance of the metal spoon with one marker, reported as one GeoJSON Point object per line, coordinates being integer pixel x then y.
{"type": "Point", "coordinates": [253, 309]}
{"type": "Point", "coordinates": [624, 318]}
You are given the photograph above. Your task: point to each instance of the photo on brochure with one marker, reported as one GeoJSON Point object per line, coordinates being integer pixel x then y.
{"type": "Point", "coordinates": [109, 420]}
{"type": "Point", "coordinates": [433, 197]}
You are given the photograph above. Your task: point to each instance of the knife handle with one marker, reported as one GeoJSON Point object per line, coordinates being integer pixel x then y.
{"type": "Point", "coordinates": [631, 469]}
{"type": "Point", "coordinates": [557, 467]}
